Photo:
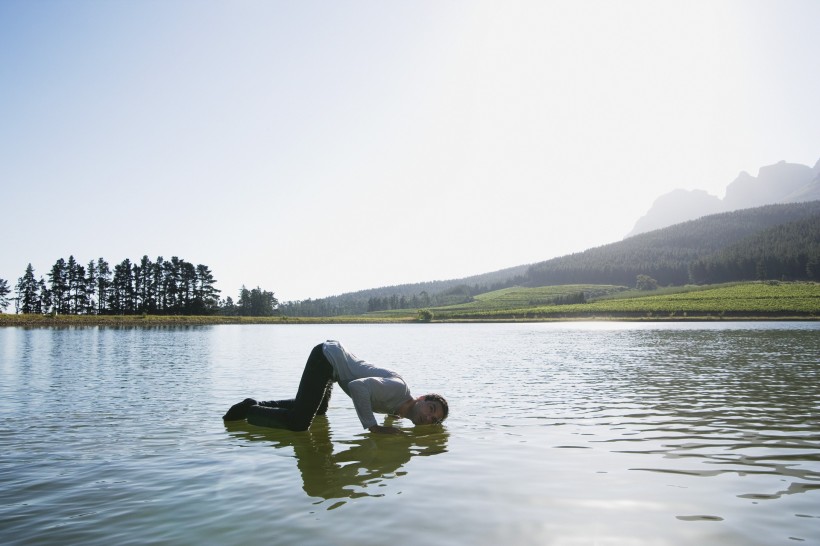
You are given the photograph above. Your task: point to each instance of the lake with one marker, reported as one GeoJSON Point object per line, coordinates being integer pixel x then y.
{"type": "Point", "coordinates": [562, 434]}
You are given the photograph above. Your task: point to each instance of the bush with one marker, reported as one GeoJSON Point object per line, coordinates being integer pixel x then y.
{"type": "Point", "coordinates": [425, 315]}
{"type": "Point", "coordinates": [645, 282]}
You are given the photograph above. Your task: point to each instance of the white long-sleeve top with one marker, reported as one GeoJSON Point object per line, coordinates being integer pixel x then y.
{"type": "Point", "coordinates": [372, 389]}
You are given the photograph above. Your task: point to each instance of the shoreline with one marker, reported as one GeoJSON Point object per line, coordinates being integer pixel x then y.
{"type": "Point", "coordinates": [47, 321]}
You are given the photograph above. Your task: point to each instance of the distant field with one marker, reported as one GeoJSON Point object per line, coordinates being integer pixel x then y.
{"type": "Point", "coordinates": [516, 297]}
{"type": "Point", "coordinates": [763, 299]}
{"type": "Point", "coordinates": [521, 297]}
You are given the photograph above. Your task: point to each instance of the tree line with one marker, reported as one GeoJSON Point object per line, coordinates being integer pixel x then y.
{"type": "Point", "coordinates": [158, 287]}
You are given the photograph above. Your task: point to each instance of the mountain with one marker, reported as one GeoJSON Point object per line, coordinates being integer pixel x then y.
{"type": "Point", "coordinates": [668, 254]}
{"type": "Point", "coordinates": [779, 183]}
{"type": "Point", "coordinates": [675, 207]}
{"type": "Point", "coordinates": [769, 242]}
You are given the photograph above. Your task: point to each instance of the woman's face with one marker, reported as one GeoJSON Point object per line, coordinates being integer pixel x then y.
{"type": "Point", "coordinates": [426, 412]}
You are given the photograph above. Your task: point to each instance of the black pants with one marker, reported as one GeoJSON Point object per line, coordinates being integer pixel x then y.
{"type": "Point", "coordinates": [311, 399]}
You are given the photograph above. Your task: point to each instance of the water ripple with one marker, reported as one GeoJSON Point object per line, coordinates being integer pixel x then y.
{"type": "Point", "coordinates": [559, 434]}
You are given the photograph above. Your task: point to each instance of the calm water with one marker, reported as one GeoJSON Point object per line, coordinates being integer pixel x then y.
{"type": "Point", "coordinates": [559, 434]}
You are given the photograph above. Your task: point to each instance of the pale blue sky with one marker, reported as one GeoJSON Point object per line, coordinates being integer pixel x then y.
{"type": "Point", "coordinates": [314, 148]}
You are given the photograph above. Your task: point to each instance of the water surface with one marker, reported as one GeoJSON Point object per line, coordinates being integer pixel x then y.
{"type": "Point", "coordinates": [573, 433]}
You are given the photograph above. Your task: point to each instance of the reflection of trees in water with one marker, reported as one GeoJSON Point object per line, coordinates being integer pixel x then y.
{"type": "Point", "coordinates": [356, 465]}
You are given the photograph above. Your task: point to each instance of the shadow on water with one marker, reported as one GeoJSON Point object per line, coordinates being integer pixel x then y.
{"type": "Point", "coordinates": [351, 468]}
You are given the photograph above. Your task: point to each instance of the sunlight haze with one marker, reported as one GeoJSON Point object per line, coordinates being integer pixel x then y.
{"type": "Point", "coordinates": [315, 148]}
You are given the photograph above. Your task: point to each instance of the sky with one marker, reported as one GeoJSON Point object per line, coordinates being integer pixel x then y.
{"type": "Point", "coordinates": [313, 148]}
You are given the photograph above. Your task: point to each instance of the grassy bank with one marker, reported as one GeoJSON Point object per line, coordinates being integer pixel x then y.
{"type": "Point", "coordinates": [753, 300]}
{"type": "Point", "coordinates": [126, 321]}
{"type": "Point", "coordinates": [736, 301]}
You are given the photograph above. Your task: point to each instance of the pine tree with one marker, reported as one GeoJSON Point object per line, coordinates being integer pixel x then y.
{"type": "Point", "coordinates": [103, 287]}
{"type": "Point", "coordinates": [44, 302]}
{"type": "Point", "coordinates": [146, 291]}
{"type": "Point", "coordinates": [157, 283]}
{"type": "Point", "coordinates": [4, 292]}
{"type": "Point", "coordinates": [170, 285]}
{"type": "Point", "coordinates": [58, 278]}
{"type": "Point", "coordinates": [76, 286]}
{"type": "Point", "coordinates": [187, 285]}
{"type": "Point", "coordinates": [206, 296]}
{"type": "Point", "coordinates": [89, 287]}
{"type": "Point", "coordinates": [139, 301]}
{"type": "Point", "coordinates": [122, 295]}
{"type": "Point", "coordinates": [27, 292]}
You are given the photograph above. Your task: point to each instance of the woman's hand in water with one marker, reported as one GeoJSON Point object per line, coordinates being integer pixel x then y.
{"type": "Point", "coordinates": [384, 430]}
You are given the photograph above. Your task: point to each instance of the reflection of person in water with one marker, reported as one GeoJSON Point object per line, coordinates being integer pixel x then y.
{"type": "Point", "coordinates": [357, 465]}
{"type": "Point", "coordinates": [372, 389]}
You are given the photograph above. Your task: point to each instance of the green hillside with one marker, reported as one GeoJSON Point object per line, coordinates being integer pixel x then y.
{"type": "Point", "coordinates": [751, 300]}
{"type": "Point", "coordinates": [667, 254]}
{"type": "Point", "coordinates": [790, 250]}
{"type": "Point", "coordinates": [519, 297]}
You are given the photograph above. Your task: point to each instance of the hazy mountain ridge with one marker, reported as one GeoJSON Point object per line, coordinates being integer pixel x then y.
{"type": "Point", "coordinates": [779, 183]}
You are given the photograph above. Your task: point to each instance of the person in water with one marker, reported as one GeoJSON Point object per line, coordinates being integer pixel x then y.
{"type": "Point", "coordinates": [372, 389]}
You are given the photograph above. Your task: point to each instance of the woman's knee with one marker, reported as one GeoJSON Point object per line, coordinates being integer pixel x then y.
{"type": "Point", "coordinates": [298, 423]}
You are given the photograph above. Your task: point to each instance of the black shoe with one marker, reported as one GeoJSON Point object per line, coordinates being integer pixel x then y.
{"type": "Point", "coordinates": [240, 410]}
